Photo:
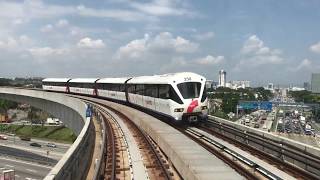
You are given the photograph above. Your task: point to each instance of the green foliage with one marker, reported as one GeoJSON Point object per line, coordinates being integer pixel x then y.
{"type": "Point", "coordinates": [305, 96]}
{"type": "Point", "coordinates": [230, 97]}
{"type": "Point", "coordinates": [57, 133]}
{"type": "Point", "coordinates": [220, 114]}
{"type": "Point", "coordinates": [263, 94]}
{"type": "Point", "coordinates": [5, 105]}
{"type": "Point", "coordinates": [5, 82]}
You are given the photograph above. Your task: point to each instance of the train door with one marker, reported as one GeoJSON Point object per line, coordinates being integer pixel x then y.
{"type": "Point", "coordinates": [164, 99]}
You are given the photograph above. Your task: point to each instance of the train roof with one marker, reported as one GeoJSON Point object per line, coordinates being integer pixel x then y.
{"type": "Point", "coordinates": [56, 80]}
{"type": "Point", "coordinates": [168, 78]}
{"type": "Point", "coordinates": [113, 80]}
{"type": "Point", "coordinates": [83, 80]}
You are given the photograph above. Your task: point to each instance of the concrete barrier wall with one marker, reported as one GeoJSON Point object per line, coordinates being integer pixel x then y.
{"type": "Point", "coordinates": [72, 112]}
{"type": "Point", "coordinates": [303, 147]}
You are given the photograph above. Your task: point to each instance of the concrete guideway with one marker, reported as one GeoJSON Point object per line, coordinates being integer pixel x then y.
{"type": "Point", "coordinates": [73, 113]}
{"type": "Point", "coordinates": [190, 159]}
{"type": "Point", "coordinates": [279, 173]}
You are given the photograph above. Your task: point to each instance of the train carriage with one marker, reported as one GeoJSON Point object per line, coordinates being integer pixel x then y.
{"type": "Point", "coordinates": [179, 95]}
{"type": "Point", "coordinates": [83, 86]}
{"type": "Point", "coordinates": [113, 88]}
{"type": "Point", "coordinates": [56, 84]}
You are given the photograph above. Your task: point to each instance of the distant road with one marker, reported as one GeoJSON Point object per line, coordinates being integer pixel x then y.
{"type": "Point", "coordinates": [24, 170]}
{"type": "Point", "coordinates": [55, 153]}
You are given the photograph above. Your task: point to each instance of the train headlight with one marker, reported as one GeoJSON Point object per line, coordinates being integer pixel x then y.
{"type": "Point", "coordinates": [204, 107]}
{"type": "Point", "coordinates": [178, 110]}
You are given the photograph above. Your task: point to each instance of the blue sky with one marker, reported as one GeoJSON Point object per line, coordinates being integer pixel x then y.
{"type": "Point", "coordinates": [261, 41]}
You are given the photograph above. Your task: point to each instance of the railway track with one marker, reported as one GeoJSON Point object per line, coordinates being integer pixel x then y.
{"type": "Point", "coordinates": [118, 164]}
{"type": "Point", "coordinates": [293, 170]}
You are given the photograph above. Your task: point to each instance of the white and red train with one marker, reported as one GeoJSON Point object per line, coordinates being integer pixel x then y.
{"type": "Point", "coordinates": [181, 96]}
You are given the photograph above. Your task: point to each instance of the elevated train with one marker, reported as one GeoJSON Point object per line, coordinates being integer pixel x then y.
{"type": "Point", "coordinates": [181, 96]}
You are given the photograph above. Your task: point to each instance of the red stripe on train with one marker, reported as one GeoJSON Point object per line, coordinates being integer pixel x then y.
{"type": "Point", "coordinates": [192, 105]}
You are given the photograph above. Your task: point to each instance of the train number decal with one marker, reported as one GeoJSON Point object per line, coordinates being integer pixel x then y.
{"type": "Point", "coordinates": [187, 79]}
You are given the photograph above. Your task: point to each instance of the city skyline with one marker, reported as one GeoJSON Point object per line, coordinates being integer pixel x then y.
{"type": "Point", "coordinates": [263, 42]}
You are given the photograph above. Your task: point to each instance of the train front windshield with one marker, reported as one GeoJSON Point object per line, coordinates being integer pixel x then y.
{"type": "Point", "coordinates": [190, 90]}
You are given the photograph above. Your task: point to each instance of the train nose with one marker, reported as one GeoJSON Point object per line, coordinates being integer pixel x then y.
{"type": "Point", "coordinates": [192, 106]}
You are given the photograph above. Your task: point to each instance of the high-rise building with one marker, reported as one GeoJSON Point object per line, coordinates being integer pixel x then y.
{"type": "Point", "coordinates": [306, 86]}
{"type": "Point", "coordinates": [315, 82]}
{"type": "Point", "coordinates": [240, 84]}
{"type": "Point", "coordinates": [270, 86]}
{"type": "Point", "coordinates": [222, 78]}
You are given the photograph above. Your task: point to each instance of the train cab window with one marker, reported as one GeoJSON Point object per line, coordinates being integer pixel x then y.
{"type": "Point", "coordinates": [167, 92]}
{"type": "Point", "coordinates": [204, 94]}
{"type": "Point", "coordinates": [189, 90]}
{"type": "Point", "coordinates": [174, 96]}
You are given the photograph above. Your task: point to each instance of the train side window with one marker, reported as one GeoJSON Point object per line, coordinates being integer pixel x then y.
{"type": "Point", "coordinates": [140, 89]}
{"type": "Point", "coordinates": [151, 90]}
{"type": "Point", "coordinates": [131, 88]}
{"type": "Point", "coordinates": [164, 91]}
{"type": "Point", "coordinates": [122, 87]}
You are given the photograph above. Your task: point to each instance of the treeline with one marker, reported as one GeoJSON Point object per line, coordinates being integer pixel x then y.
{"type": "Point", "coordinates": [231, 97]}
{"type": "Point", "coordinates": [305, 96]}
{"type": "Point", "coordinates": [5, 105]}
{"type": "Point", "coordinates": [21, 82]}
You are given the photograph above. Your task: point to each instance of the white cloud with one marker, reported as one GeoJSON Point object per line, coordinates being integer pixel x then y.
{"type": "Point", "coordinates": [46, 51]}
{"type": "Point", "coordinates": [62, 23]}
{"type": "Point", "coordinates": [50, 28]}
{"type": "Point", "coordinates": [165, 41]}
{"type": "Point", "coordinates": [315, 48]}
{"type": "Point", "coordinates": [46, 28]}
{"type": "Point", "coordinates": [32, 9]}
{"type": "Point", "coordinates": [255, 53]}
{"type": "Point", "coordinates": [119, 14]}
{"type": "Point", "coordinates": [90, 43]}
{"type": "Point", "coordinates": [133, 49]}
{"type": "Point", "coordinates": [16, 43]}
{"type": "Point", "coordinates": [161, 8]}
{"type": "Point", "coordinates": [184, 45]}
{"type": "Point", "coordinates": [162, 43]}
{"type": "Point", "coordinates": [204, 36]}
{"type": "Point", "coordinates": [210, 60]}
{"type": "Point", "coordinates": [304, 64]}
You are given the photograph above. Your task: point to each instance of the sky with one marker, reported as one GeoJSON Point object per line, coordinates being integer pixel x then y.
{"type": "Point", "coordinates": [260, 41]}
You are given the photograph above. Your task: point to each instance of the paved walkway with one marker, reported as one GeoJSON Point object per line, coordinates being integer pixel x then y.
{"type": "Point", "coordinates": [97, 148]}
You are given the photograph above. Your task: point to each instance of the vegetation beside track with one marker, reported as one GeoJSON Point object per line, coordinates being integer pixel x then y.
{"type": "Point", "coordinates": [54, 133]}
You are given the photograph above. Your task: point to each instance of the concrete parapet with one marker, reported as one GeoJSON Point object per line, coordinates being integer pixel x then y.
{"type": "Point", "coordinates": [290, 151]}
{"type": "Point", "coordinates": [303, 147]}
{"type": "Point", "coordinates": [72, 112]}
